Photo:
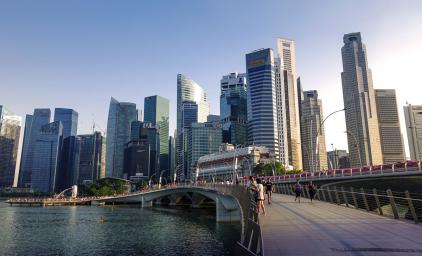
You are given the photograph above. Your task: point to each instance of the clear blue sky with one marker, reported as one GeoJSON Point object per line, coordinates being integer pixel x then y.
{"type": "Point", "coordinates": [77, 54]}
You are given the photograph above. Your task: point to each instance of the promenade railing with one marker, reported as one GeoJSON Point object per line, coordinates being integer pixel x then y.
{"type": "Point", "coordinates": [394, 204]}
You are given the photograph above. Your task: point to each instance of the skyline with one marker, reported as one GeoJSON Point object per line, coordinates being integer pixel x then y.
{"type": "Point", "coordinates": [57, 66]}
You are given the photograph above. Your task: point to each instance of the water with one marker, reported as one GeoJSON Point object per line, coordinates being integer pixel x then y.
{"type": "Point", "coordinates": [77, 230]}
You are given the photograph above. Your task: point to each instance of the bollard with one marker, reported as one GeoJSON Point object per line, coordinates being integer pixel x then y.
{"type": "Point", "coordinates": [392, 203]}
{"type": "Point", "coordinates": [377, 201]}
{"type": "Point", "coordinates": [365, 201]}
{"type": "Point", "coordinates": [411, 207]}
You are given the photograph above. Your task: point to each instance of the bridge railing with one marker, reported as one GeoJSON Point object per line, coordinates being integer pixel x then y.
{"type": "Point", "coordinates": [394, 204]}
{"type": "Point", "coordinates": [397, 168]}
{"type": "Point", "coordinates": [251, 242]}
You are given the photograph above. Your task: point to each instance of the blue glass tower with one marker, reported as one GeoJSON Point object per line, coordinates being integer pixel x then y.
{"type": "Point", "coordinates": [156, 111]}
{"type": "Point", "coordinates": [33, 124]}
{"type": "Point", "coordinates": [69, 119]}
{"type": "Point", "coordinates": [262, 106]}
{"type": "Point", "coordinates": [46, 158]}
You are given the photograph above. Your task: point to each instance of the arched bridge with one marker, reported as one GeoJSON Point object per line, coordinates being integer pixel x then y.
{"type": "Point", "coordinates": [228, 201]}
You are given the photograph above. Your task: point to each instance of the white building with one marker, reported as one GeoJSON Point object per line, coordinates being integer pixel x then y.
{"type": "Point", "coordinates": [413, 118]}
{"type": "Point", "coordinates": [231, 163]}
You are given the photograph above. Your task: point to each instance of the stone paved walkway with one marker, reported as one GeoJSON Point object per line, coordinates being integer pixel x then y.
{"type": "Point", "coordinates": [320, 228]}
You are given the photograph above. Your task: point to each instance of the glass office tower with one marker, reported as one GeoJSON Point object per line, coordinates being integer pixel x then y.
{"type": "Point", "coordinates": [120, 117]}
{"type": "Point", "coordinates": [10, 128]}
{"type": "Point", "coordinates": [233, 108]}
{"type": "Point", "coordinates": [156, 111]}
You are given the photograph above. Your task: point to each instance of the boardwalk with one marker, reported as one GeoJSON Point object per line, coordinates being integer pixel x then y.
{"type": "Point", "coordinates": [321, 228]}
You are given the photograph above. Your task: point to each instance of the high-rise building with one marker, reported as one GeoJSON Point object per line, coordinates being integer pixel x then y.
{"type": "Point", "coordinates": [69, 160]}
{"type": "Point", "coordinates": [287, 65]}
{"type": "Point", "coordinates": [138, 159]}
{"type": "Point", "coordinates": [203, 139]}
{"type": "Point", "coordinates": [33, 124]}
{"type": "Point", "coordinates": [413, 118]}
{"type": "Point", "coordinates": [156, 111]}
{"type": "Point", "coordinates": [313, 134]}
{"type": "Point", "coordinates": [281, 114]}
{"type": "Point", "coordinates": [172, 156]}
{"type": "Point", "coordinates": [69, 119]}
{"type": "Point", "coordinates": [233, 108]}
{"type": "Point", "coordinates": [338, 159]}
{"type": "Point", "coordinates": [10, 128]}
{"type": "Point", "coordinates": [191, 112]}
{"type": "Point", "coordinates": [120, 117]}
{"type": "Point", "coordinates": [46, 158]}
{"type": "Point", "coordinates": [389, 125]}
{"type": "Point", "coordinates": [149, 135]}
{"type": "Point", "coordinates": [189, 93]}
{"type": "Point", "coordinates": [262, 107]}
{"type": "Point", "coordinates": [91, 151]}
{"type": "Point", "coordinates": [363, 134]}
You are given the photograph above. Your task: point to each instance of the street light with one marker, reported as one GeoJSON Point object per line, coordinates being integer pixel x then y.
{"type": "Point", "coordinates": [317, 134]}
{"type": "Point", "coordinates": [159, 180]}
{"type": "Point", "coordinates": [356, 144]}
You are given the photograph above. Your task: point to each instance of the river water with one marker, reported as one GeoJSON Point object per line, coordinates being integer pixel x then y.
{"type": "Point", "coordinates": [126, 230]}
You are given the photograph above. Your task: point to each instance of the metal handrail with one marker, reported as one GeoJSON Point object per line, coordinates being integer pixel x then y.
{"type": "Point", "coordinates": [388, 204]}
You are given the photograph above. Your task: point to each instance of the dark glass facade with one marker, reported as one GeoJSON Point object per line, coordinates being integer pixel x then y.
{"type": "Point", "coordinates": [90, 157]}
{"type": "Point", "coordinates": [33, 124]}
{"type": "Point", "coordinates": [156, 111]}
{"type": "Point", "coordinates": [10, 127]}
{"type": "Point", "coordinates": [233, 108]}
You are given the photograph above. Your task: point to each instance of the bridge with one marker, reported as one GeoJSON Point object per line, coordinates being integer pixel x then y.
{"type": "Point", "coordinates": [339, 222]}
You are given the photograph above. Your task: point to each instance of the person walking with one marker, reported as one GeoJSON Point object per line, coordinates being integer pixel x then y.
{"type": "Point", "coordinates": [261, 197]}
{"type": "Point", "coordinates": [269, 190]}
{"type": "Point", "coordinates": [298, 191]}
{"type": "Point", "coordinates": [312, 190]}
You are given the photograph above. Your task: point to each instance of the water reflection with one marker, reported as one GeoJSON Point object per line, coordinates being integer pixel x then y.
{"type": "Point", "coordinates": [78, 230]}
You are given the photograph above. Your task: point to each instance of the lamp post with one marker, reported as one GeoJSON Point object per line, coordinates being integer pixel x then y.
{"type": "Point", "coordinates": [150, 179]}
{"type": "Point", "coordinates": [356, 145]}
{"type": "Point", "coordinates": [317, 135]}
{"type": "Point", "coordinates": [159, 180]}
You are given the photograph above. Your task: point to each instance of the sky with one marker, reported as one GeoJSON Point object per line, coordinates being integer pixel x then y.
{"type": "Point", "coordinates": [78, 54]}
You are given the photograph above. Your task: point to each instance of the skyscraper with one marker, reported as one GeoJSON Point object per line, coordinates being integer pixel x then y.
{"type": "Point", "coordinates": [68, 171]}
{"type": "Point", "coordinates": [233, 108]}
{"type": "Point", "coordinates": [69, 119]}
{"type": "Point", "coordinates": [389, 125]}
{"type": "Point", "coordinates": [287, 65]}
{"type": "Point", "coordinates": [90, 157]}
{"type": "Point", "coordinates": [190, 94]}
{"type": "Point", "coordinates": [10, 128]}
{"type": "Point", "coordinates": [313, 134]}
{"type": "Point", "coordinates": [156, 111]}
{"type": "Point", "coordinates": [46, 158]}
{"type": "Point", "coordinates": [120, 117]}
{"type": "Point", "coordinates": [148, 136]}
{"type": "Point", "coordinates": [413, 118]}
{"type": "Point", "coordinates": [33, 124]}
{"type": "Point", "coordinates": [363, 134]}
{"type": "Point", "coordinates": [262, 108]}
{"type": "Point", "coordinates": [203, 139]}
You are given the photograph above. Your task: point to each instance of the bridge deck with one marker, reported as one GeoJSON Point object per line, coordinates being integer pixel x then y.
{"type": "Point", "coordinates": [290, 228]}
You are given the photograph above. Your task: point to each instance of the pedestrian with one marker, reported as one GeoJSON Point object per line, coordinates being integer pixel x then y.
{"type": "Point", "coordinates": [298, 191]}
{"type": "Point", "coordinates": [253, 189]}
{"type": "Point", "coordinates": [261, 197]}
{"type": "Point", "coordinates": [311, 189]}
{"type": "Point", "coordinates": [269, 190]}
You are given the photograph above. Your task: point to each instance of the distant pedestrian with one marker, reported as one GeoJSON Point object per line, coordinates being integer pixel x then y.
{"type": "Point", "coordinates": [298, 191]}
{"type": "Point", "coordinates": [261, 197]}
{"type": "Point", "coordinates": [312, 190]}
{"type": "Point", "coordinates": [253, 188]}
{"type": "Point", "coordinates": [269, 190]}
